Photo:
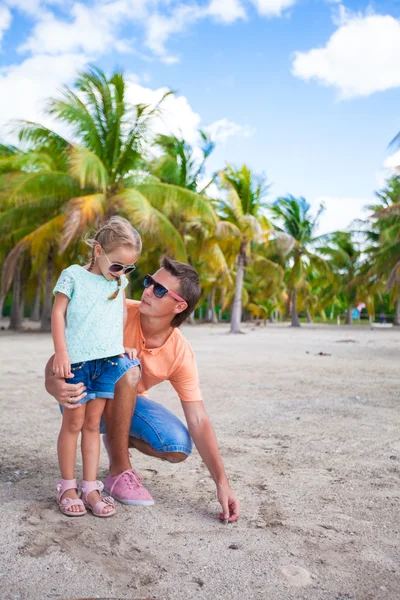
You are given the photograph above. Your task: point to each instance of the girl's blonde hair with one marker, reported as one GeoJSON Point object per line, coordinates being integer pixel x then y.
{"type": "Point", "coordinates": [116, 232]}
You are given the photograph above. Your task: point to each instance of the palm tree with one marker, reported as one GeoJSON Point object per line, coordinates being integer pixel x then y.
{"type": "Point", "coordinates": [26, 222]}
{"type": "Point", "coordinates": [343, 255]}
{"type": "Point", "coordinates": [107, 163]}
{"type": "Point", "coordinates": [297, 224]}
{"type": "Point", "coordinates": [243, 224]}
{"type": "Point", "coordinates": [178, 164]}
{"type": "Point", "coordinates": [382, 265]}
{"type": "Point", "coordinates": [98, 175]}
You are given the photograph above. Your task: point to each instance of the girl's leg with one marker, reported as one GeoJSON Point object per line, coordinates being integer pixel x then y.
{"type": "Point", "coordinates": [91, 446]}
{"type": "Point", "coordinates": [72, 422]}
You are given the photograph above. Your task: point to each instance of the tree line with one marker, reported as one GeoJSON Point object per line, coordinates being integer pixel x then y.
{"type": "Point", "coordinates": [254, 256]}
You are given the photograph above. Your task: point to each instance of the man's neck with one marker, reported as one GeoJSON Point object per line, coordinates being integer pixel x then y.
{"type": "Point", "coordinates": [155, 331]}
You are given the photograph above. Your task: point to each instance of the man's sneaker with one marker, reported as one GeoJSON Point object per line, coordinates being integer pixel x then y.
{"type": "Point", "coordinates": [127, 488]}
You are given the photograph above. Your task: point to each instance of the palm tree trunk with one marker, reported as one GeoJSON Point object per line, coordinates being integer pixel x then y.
{"type": "Point", "coordinates": [309, 317]}
{"type": "Point", "coordinates": [214, 318]}
{"type": "Point", "coordinates": [35, 315]}
{"type": "Point", "coordinates": [22, 300]}
{"type": "Point", "coordinates": [2, 300]}
{"type": "Point", "coordinates": [349, 316]}
{"type": "Point", "coordinates": [295, 316]}
{"type": "Point", "coordinates": [45, 323]}
{"type": "Point", "coordinates": [287, 306]}
{"type": "Point", "coordinates": [16, 317]}
{"type": "Point", "coordinates": [396, 320]}
{"type": "Point", "coordinates": [237, 300]}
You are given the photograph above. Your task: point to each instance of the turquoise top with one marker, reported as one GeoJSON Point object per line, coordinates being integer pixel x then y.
{"type": "Point", "coordinates": [94, 323]}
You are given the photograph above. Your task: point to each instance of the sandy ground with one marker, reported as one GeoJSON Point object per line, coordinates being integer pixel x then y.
{"type": "Point", "coordinates": [311, 444]}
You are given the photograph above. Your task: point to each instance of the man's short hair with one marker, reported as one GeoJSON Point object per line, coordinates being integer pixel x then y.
{"type": "Point", "coordinates": [189, 286]}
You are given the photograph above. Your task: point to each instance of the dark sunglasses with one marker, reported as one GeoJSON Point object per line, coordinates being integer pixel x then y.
{"type": "Point", "coordinates": [160, 290]}
{"type": "Point", "coordinates": [117, 267]}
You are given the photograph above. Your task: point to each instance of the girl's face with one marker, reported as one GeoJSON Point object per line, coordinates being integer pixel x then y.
{"type": "Point", "coordinates": [124, 255]}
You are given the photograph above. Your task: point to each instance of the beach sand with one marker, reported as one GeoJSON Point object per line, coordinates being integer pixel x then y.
{"type": "Point", "coordinates": [312, 448]}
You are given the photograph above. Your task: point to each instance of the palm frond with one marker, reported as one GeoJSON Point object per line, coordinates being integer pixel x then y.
{"type": "Point", "coordinates": [165, 197]}
{"type": "Point", "coordinates": [81, 213]}
{"type": "Point", "coordinates": [33, 186]}
{"type": "Point", "coordinates": [88, 168]}
{"type": "Point", "coordinates": [150, 221]}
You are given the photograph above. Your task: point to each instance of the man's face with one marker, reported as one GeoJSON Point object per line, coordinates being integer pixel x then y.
{"type": "Point", "coordinates": [166, 306]}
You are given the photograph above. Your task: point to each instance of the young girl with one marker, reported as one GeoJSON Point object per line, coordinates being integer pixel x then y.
{"type": "Point", "coordinates": [87, 327]}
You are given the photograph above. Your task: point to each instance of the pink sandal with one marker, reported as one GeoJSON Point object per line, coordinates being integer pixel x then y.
{"type": "Point", "coordinates": [63, 485]}
{"type": "Point", "coordinates": [97, 509]}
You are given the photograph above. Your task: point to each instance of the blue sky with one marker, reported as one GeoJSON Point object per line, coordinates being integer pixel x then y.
{"type": "Point", "coordinates": [305, 91]}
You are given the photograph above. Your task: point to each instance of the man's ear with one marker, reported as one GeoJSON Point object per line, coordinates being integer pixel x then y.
{"type": "Point", "coordinates": [180, 307]}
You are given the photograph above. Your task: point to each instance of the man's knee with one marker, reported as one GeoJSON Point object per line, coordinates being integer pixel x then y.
{"type": "Point", "coordinates": [174, 457]}
{"type": "Point", "coordinates": [131, 378]}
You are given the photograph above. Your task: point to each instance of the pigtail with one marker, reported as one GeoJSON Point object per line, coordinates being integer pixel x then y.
{"type": "Point", "coordinates": [115, 294]}
{"type": "Point", "coordinates": [92, 259]}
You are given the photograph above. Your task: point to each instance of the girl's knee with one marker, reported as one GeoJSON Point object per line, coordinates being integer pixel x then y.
{"type": "Point", "coordinates": [74, 423]}
{"type": "Point", "coordinates": [92, 424]}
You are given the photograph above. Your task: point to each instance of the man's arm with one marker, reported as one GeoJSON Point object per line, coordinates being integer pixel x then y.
{"type": "Point", "coordinates": [203, 436]}
{"type": "Point", "coordinates": [66, 394]}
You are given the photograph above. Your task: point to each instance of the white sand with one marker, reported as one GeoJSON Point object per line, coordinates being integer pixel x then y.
{"type": "Point", "coordinates": [311, 444]}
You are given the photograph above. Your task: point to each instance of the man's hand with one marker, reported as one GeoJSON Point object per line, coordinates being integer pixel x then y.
{"type": "Point", "coordinates": [131, 352]}
{"type": "Point", "coordinates": [62, 364]}
{"type": "Point", "coordinates": [230, 504]}
{"type": "Point", "coordinates": [66, 394]}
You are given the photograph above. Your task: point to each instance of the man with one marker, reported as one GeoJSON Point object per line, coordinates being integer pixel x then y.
{"type": "Point", "coordinates": [168, 299]}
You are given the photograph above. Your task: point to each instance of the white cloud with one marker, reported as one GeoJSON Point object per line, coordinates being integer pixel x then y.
{"type": "Point", "coordinates": [390, 167]}
{"type": "Point", "coordinates": [56, 36]}
{"type": "Point", "coordinates": [392, 162]}
{"type": "Point", "coordinates": [360, 58]}
{"type": "Point", "coordinates": [272, 8]}
{"type": "Point", "coordinates": [160, 28]}
{"type": "Point", "coordinates": [339, 212]}
{"type": "Point", "coordinates": [5, 20]}
{"type": "Point", "coordinates": [94, 27]}
{"type": "Point", "coordinates": [25, 87]}
{"type": "Point", "coordinates": [30, 7]}
{"type": "Point", "coordinates": [223, 129]}
{"type": "Point", "coordinates": [27, 6]}
{"type": "Point", "coordinates": [227, 11]}
{"type": "Point", "coordinates": [177, 115]}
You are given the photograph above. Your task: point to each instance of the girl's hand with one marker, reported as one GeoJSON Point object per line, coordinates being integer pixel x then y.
{"type": "Point", "coordinates": [62, 365]}
{"type": "Point", "coordinates": [131, 352]}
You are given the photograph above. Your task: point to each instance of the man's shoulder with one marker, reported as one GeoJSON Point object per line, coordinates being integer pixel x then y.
{"type": "Point", "coordinates": [181, 342]}
{"type": "Point", "coordinates": [132, 306]}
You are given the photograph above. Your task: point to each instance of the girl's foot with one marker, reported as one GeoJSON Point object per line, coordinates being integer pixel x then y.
{"type": "Point", "coordinates": [67, 498]}
{"type": "Point", "coordinates": [100, 507]}
{"type": "Point", "coordinates": [94, 497]}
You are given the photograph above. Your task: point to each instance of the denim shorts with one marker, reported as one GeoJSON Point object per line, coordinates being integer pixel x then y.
{"type": "Point", "coordinates": [100, 375]}
{"type": "Point", "coordinates": [159, 427]}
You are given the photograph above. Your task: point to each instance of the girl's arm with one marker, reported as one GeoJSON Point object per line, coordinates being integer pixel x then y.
{"type": "Point", "coordinates": [61, 363]}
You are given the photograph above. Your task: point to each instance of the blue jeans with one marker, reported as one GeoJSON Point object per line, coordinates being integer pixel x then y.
{"type": "Point", "coordinates": [159, 427]}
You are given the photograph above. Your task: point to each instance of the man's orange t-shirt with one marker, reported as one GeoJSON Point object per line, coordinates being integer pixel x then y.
{"type": "Point", "coordinates": [174, 361]}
